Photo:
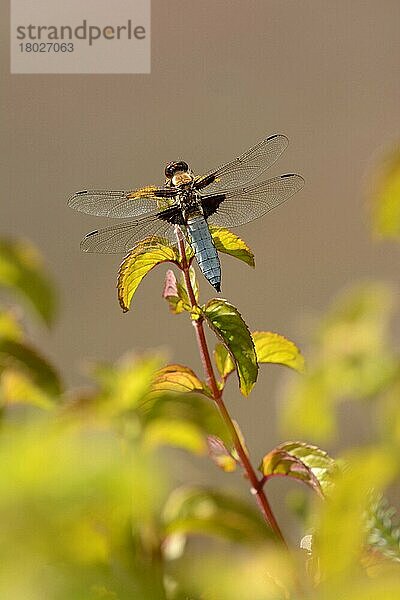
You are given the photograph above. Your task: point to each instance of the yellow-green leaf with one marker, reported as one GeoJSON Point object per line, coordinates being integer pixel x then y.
{"type": "Point", "coordinates": [177, 378]}
{"type": "Point", "coordinates": [383, 528]}
{"type": "Point", "coordinates": [195, 510]}
{"type": "Point", "coordinates": [274, 348]}
{"type": "Point", "coordinates": [352, 360]}
{"type": "Point", "coordinates": [342, 533]}
{"type": "Point", "coordinates": [309, 397]}
{"type": "Point", "coordinates": [227, 242]}
{"type": "Point", "coordinates": [387, 198]}
{"type": "Point", "coordinates": [228, 324]}
{"type": "Point", "coordinates": [22, 271]}
{"type": "Point", "coordinates": [178, 434]}
{"type": "Point", "coordinates": [135, 266]}
{"type": "Point", "coordinates": [300, 461]}
{"type": "Point", "coordinates": [223, 361]}
{"type": "Point", "coordinates": [242, 440]}
{"type": "Point", "coordinates": [220, 454]}
{"type": "Point", "coordinates": [10, 328]}
{"type": "Point", "coordinates": [18, 388]}
{"type": "Point", "coordinates": [20, 356]}
{"type": "Point", "coordinates": [194, 408]}
{"type": "Point", "coordinates": [182, 291]}
{"type": "Point", "coordinates": [125, 386]}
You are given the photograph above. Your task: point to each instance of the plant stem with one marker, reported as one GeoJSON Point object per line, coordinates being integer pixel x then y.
{"type": "Point", "coordinates": [256, 483]}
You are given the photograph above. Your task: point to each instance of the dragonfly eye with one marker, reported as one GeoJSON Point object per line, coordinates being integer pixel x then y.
{"type": "Point", "coordinates": [170, 170]}
{"type": "Point", "coordinates": [174, 167]}
{"type": "Point", "coordinates": [182, 166]}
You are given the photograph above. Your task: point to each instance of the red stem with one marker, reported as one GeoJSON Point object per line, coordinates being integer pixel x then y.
{"type": "Point", "coordinates": [256, 483]}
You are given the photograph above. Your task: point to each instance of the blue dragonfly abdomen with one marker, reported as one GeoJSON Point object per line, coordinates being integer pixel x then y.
{"type": "Point", "coordinates": [206, 254]}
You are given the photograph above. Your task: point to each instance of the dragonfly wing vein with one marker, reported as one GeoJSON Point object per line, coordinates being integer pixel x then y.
{"type": "Point", "coordinates": [247, 167]}
{"type": "Point", "coordinates": [123, 237]}
{"type": "Point", "coordinates": [112, 203]}
{"type": "Point", "coordinates": [237, 207]}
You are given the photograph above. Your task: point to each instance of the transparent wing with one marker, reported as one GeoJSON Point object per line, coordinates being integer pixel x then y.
{"type": "Point", "coordinates": [122, 237]}
{"type": "Point", "coordinates": [245, 168]}
{"type": "Point", "coordinates": [119, 203]}
{"type": "Point", "coordinates": [237, 207]}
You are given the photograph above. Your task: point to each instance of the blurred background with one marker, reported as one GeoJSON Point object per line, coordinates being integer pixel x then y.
{"type": "Point", "coordinates": [224, 75]}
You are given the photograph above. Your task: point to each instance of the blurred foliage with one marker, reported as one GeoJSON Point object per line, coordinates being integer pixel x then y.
{"type": "Point", "coordinates": [386, 197]}
{"type": "Point", "coordinates": [205, 511]}
{"type": "Point", "coordinates": [352, 359]}
{"type": "Point", "coordinates": [340, 533]}
{"type": "Point", "coordinates": [89, 507]}
{"type": "Point", "coordinates": [383, 528]}
{"type": "Point", "coordinates": [21, 272]}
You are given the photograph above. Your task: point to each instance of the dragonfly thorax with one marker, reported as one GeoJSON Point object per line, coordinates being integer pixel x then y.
{"type": "Point", "coordinates": [189, 201]}
{"type": "Point", "coordinates": [182, 179]}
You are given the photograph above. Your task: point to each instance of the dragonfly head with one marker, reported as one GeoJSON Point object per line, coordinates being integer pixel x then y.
{"type": "Point", "coordinates": [178, 173]}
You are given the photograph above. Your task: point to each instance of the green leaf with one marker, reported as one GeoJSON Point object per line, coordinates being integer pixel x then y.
{"type": "Point", "coordinates": [181, 286]}
{"type": "Point", "coordinates": [352, 336]}
{"type": "Point", "coordinates": [72, 489]}
{"type": "Point", "coordinates": [123, 387]}
{"type": "Point", "coordinates": [10, 327]}
{"type": "Point", "coordinates": [385, 587]}
{"type": "Point", "coordinates": [18, 388]}
{"type": "Point", "coordinates": [195, 510]}
{"type": "Point", "coordinates": [178, 434]}
{"type": "Point", "coordinates": [387, 198]}
{"type": "Point", "coordinates": [274, 348]}
{"type": "Point", "coordinates": [177, 378]}
{"type": "Point", "coordinates": [242, 441]}
{"type": "Point", "coordinates": [135, 266]}
{"type": "Point", "coordinates": [365, 310]}
{"type": "Point", "coordinates": [220, 454]}
{"type": "Point", "coordinates": [383, 528]}
{"type": "Point", "coordinates": [340, 525]}
{"type": "Point", "coordinates": [227, 242]}
{"type": "Point", "coordinates": [226, 321]}
{"type": "Point", "coordinates": [351, 360]}
{"type": "Point", "coordinates": [20, 356]}
{"type": "Point", "coordinates": [21, 270]}
{"type": "Point", "coordinates": [223, 361]}
{"type": "Point", "coordinates": [300, 461]}
{"type": "Point", "coordinates": [270, 348]}
{"type": "Point", "coordinates": [309, 397]}
{"type": "Point", "coordinates": [192, 408]}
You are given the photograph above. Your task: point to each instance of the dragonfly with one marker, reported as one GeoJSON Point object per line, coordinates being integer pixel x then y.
{"type": "Point", "coordinates": [228, 196]}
